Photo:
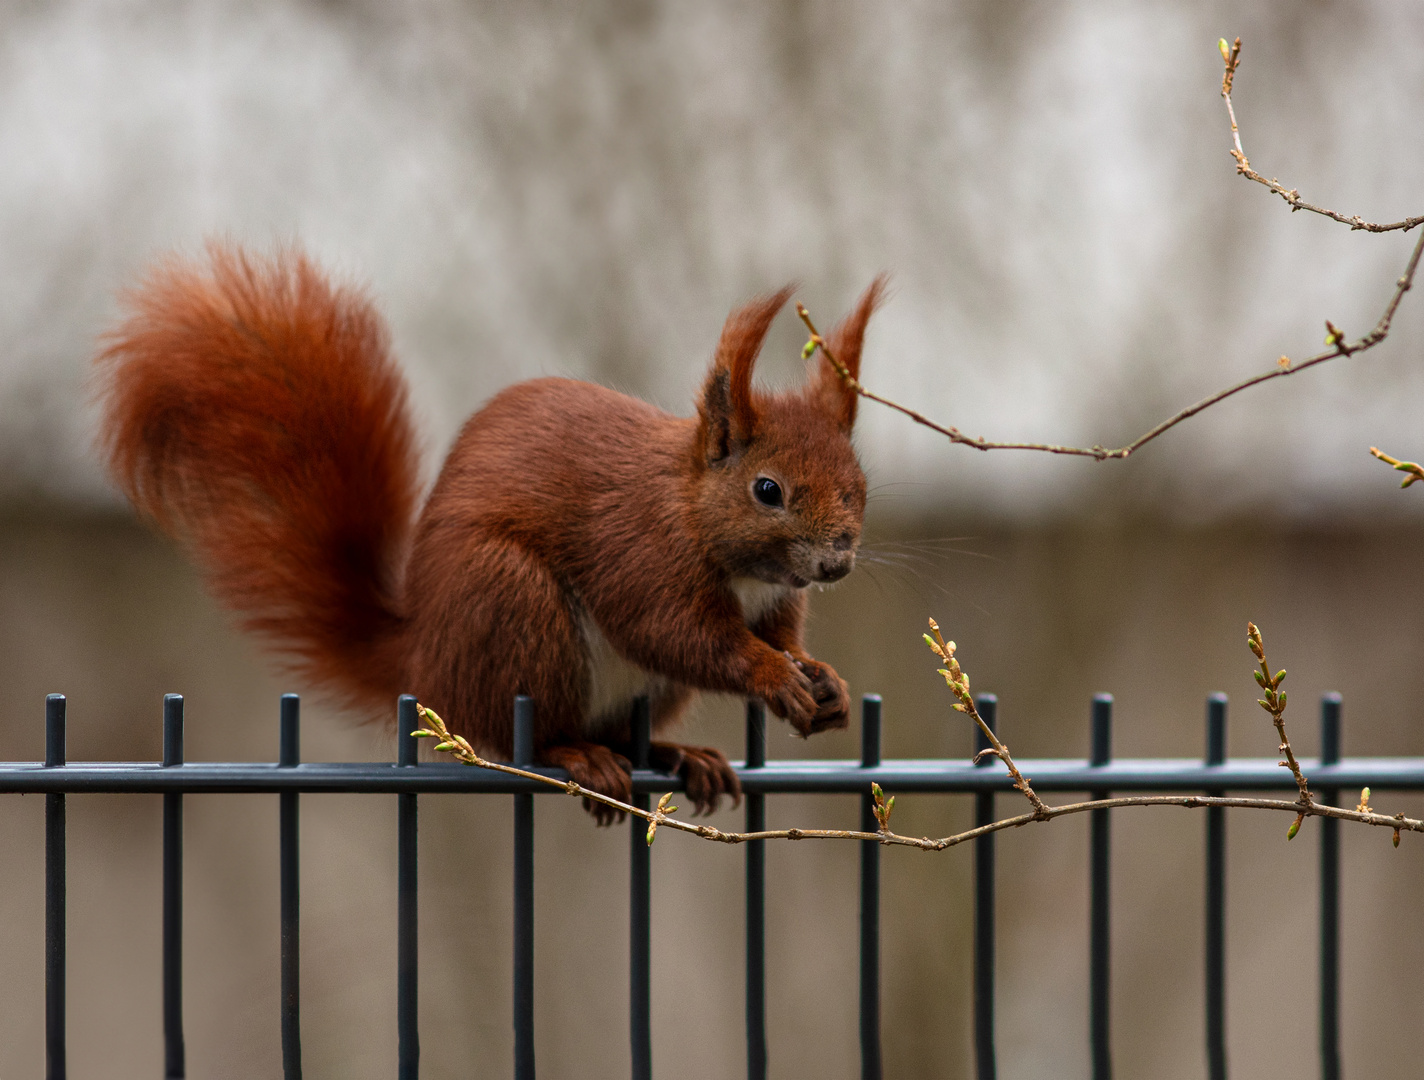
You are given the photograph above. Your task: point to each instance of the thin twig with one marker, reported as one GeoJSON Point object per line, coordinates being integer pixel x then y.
{"type": "Point", "coordinates": [460, 749]}
{"type": "Point", "coordinates": [1274, 702]}
{"type": "Point", "coordinates": [1339, 346]}
{"type": "Point", "coordinates": [1232, 57]}
{"type": "Point", "coordinates": [1413, 468]}
{"type": "Point", "coordinates": [958, 683]}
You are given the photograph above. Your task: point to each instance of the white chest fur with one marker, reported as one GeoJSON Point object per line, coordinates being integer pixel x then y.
{"type": "Point", "coordinates": [758, 597]}
{"type": "Point", "coordinates": [614, 681]}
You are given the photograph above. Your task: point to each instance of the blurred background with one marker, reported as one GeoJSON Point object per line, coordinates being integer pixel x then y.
{"type": "Point", "coordinates": [586, 190]}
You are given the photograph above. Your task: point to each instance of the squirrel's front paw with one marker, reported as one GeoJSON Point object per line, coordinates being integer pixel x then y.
{"type": "Point", "coordinates": [788, 692]}
{"type": "Point", "coordinates": [831, 694]}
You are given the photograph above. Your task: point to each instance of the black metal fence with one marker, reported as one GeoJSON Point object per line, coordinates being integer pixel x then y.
{"type": "Point", "coordinates": [407, 779]}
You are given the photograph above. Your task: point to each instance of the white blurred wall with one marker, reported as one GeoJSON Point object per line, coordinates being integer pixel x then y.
{"type": "Point", "coordinates": [587, 189]}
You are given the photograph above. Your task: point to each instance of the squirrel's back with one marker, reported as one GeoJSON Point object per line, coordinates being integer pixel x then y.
{"type": "Point", "coordinates": [253, 410]}
{"type": "Point", "coordinates": [548, 460]}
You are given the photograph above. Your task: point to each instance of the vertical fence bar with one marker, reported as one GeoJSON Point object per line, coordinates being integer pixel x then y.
{"type": "Point", "coordinates": [1330, 898]}
{"type": "Point", "coordinates": [174, 1064]}
{"type": "Point", "coordinates": [986, 1067]}
{"type": "Point", "coordinates": [55, 1065]}
{"type": "Point", "coordinates": [1216, 897]}
{"type": "Point", "coordinates": [640, 912]}
{"type": "Point", "coordinates": [523, 897]}
{"type": "Point", "coordinates": [756, 900]}
{"type": "Point", "coordinates": [1100, 918]}
{"type": "Point", "coordinates": [870, 1059]}
{"type": "Point", "coordinates": [407, 909]}
{"type": "Point", "coordinates": [288, 756]}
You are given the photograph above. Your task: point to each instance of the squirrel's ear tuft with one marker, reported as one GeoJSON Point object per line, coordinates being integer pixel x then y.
{"type": "Point", "coordinates": [727, 415]}
{"type": "Point", "coordinates": [844, 343]}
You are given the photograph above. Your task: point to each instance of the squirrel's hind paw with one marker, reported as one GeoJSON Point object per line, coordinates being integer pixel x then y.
{"type": "Point", "coordinates": [599, 769]}
{"type": "Point", "coordinates": [705, 771]}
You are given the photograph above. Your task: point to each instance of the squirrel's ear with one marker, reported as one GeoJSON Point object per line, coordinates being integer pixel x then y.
{"type": "Point", "coordinates": [844, 343]}
{"type": "Point", "coordinates": [727, 415]}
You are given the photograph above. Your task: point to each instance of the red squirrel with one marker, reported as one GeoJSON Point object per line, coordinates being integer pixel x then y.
{"type": "Point", "coordinates": [579, 546]}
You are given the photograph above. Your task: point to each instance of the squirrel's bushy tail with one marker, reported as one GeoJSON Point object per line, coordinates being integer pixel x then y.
{"type": "Point", "coordinates": [253, 410]}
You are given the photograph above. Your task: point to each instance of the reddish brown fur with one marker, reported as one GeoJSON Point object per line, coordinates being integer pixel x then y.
{"type": "Point", "coordinates": [253, 409]}
{"type": "Point", "coordinates": [579, 546]}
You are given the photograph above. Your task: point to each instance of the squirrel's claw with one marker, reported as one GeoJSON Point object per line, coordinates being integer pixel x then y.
{"type": "Point", "coordinates": [831, 694]}
{"type": "Point", "coordinates": [705, 771]}
{"type": "Point", "coordinates": [599, 769]}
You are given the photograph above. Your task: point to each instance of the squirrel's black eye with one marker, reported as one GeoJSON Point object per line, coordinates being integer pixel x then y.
{"type": "Point", "coordinates": [767, 491]}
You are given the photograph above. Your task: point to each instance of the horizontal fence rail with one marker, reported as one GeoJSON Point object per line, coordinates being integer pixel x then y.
{"type": "Point", "coordinates": [1100, 774]}
{"type": "Point", "coordinates": [1122, 776]}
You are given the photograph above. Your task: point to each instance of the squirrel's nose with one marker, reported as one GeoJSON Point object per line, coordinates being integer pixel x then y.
{"type": "Point", "coordinates": [835, 567]}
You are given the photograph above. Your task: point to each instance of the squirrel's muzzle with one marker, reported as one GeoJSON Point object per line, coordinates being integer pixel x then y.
{"type": "Point", "coordinates": [834, 567]}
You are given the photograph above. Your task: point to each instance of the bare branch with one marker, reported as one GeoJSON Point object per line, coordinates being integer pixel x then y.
{"type": "Point", "coordinates": [458, 748]}
{"type": "Point", "coordinates": [1290, 195]}
{"type": "Point", "coordinates": [958, 681]}
{"type": "Point", "coordinates": [1274, 702]}
{"type": "Point", "coordinates": [1339, 346]}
